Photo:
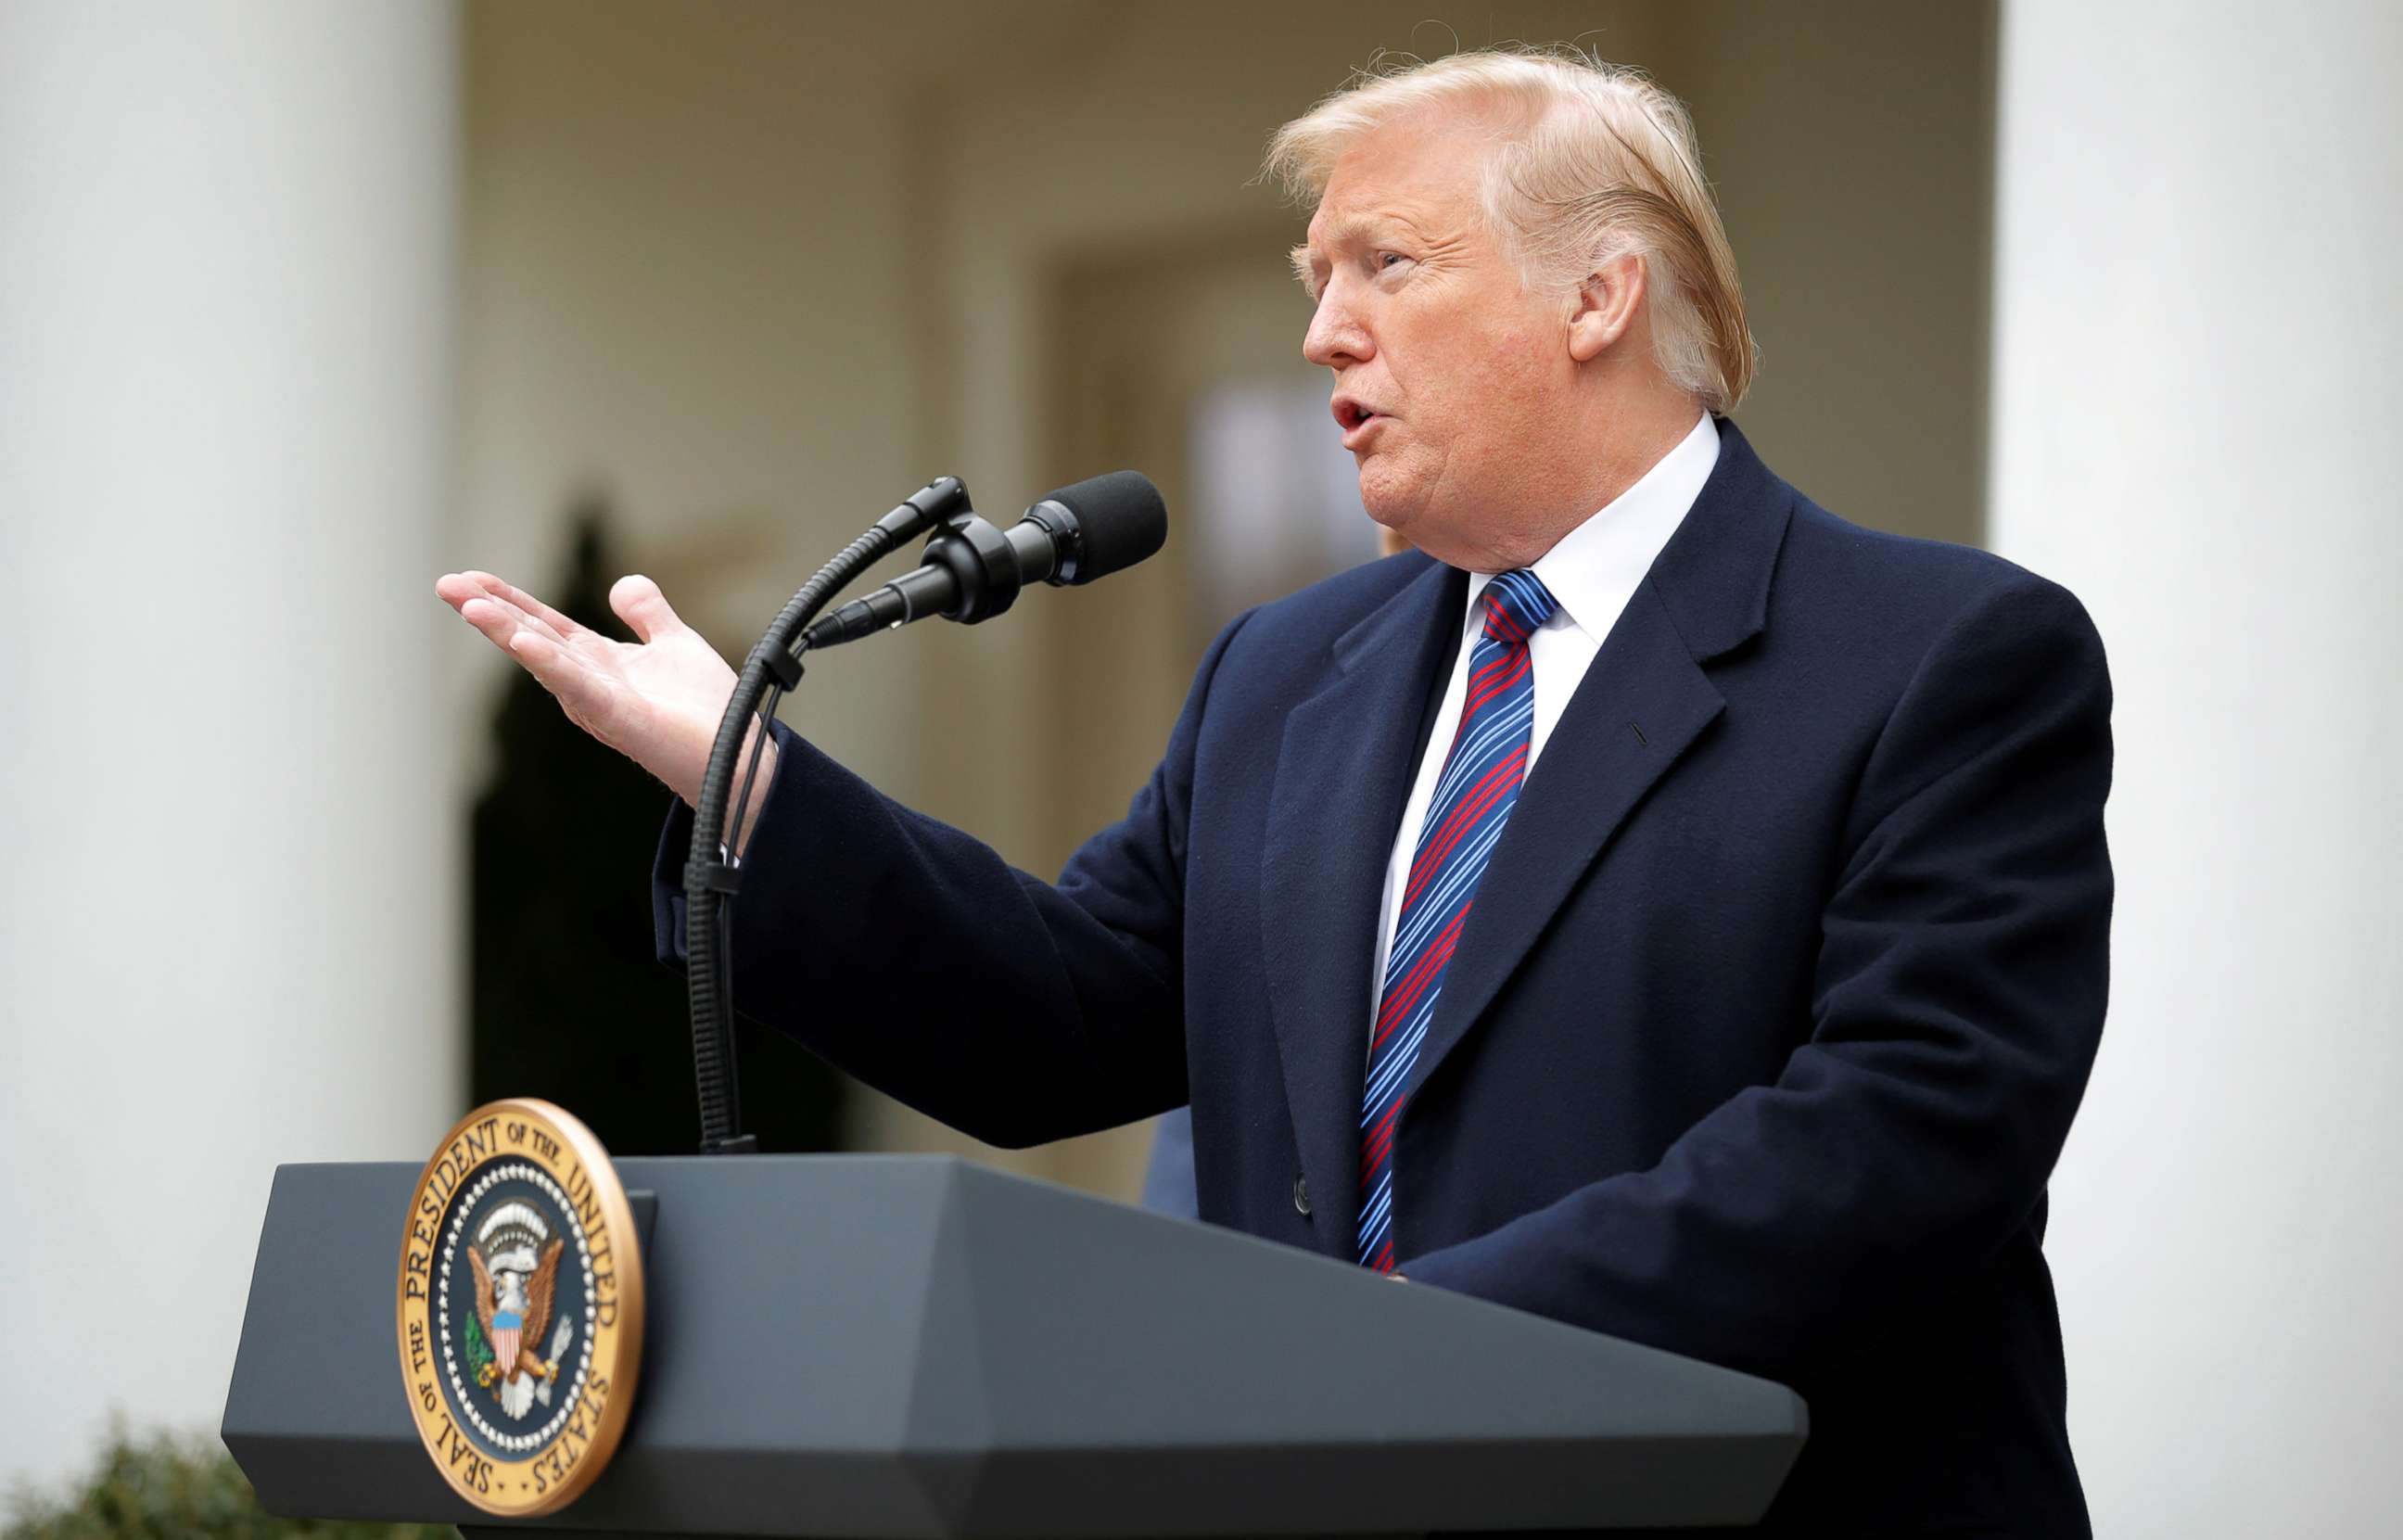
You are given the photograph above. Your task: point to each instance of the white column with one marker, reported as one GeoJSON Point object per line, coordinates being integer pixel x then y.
{"type": "Point", "coordinates": [2199, 356]}
{"type": "Point", "coordinates": [228, 894]}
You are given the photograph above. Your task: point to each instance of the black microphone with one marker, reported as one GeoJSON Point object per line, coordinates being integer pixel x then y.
{"type": "Point", "coordinates": [972, 571]}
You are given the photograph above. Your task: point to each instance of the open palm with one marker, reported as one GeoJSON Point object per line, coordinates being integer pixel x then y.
{"type": "Point", "coordinates": [657, 701]}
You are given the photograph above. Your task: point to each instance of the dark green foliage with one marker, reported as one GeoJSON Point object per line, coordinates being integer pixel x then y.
{"type": "Point", "coordinates": [569, 1003]}
{"type": "Point", "coordinates": [478, 1353]}
{"type": "Point", "coordinates": [166, 1488]}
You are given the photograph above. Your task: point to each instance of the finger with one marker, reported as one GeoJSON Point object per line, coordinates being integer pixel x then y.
{"type": "Point", "coordinates": [492, 590]}
{"type": "Point", "coordinates": [503, 589]}
{"type": "Point", "coordinates": [456, 589]}
{"type": "Point", "coordinates": [640, 604]}
{"type": "Point", "coordinates": [498, 624]}
{"type": "Point", "coordinates": [501, 624]}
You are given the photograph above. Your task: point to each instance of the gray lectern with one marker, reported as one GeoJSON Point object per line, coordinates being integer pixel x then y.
{"type": "Point", "coordinates": [900, 1346]}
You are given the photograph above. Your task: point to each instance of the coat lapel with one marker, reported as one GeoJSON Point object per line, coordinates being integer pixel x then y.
{"type": "Point", "coordinates": [1641, 704]}
{"type": "Point", "coordinates": [1343, 771]}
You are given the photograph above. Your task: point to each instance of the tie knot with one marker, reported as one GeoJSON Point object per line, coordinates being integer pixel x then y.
{"type": "Point", "coordinates": [1517, 604]}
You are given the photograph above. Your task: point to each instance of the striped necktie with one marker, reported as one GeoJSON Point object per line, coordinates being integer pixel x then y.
{"type": "Point", "coordinates": [1472, 800]}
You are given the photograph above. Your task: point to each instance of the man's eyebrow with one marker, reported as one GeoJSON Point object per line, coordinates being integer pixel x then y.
{"type": "Point", "coordinates": [1354, 231]}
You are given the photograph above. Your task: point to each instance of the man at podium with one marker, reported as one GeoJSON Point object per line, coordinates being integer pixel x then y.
{"type": "Point", "coordinates": [1653, 902]}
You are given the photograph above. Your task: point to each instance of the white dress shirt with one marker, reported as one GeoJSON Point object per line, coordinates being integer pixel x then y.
{"type": "Point", "coordinates": [1593, 572]}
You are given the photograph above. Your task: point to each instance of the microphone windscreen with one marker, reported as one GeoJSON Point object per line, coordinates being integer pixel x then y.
{"type": "Point", "coordinates": [1121, 520]}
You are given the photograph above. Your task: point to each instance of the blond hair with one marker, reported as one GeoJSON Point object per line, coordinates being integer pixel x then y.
{"type": "Point", "coordinates": [1593, 161]}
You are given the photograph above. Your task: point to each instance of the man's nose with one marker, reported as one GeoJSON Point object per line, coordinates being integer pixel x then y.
{"type": "Point", "coordinates": [1338, 336]}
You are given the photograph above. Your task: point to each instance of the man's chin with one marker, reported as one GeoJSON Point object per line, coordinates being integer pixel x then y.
{"type": "Point", "coordinates": [1393, 506]}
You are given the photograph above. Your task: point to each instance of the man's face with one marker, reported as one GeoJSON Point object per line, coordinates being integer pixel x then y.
{"type": "Point", "coordinates": [1447, 371]}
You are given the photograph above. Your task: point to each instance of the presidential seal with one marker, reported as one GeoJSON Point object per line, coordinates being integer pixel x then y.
{"type": "Point", "coordinates": [521, 1308]}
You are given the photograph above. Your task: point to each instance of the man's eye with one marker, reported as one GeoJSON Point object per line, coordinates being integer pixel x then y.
{"type": "Point", "coordinates": [1387, 258]}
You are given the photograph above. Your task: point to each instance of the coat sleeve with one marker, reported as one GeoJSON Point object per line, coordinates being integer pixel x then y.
{"type": "Point", "coordinates": [1957, 1002]}
{"type": "Point", "coordinates": [909, 954]}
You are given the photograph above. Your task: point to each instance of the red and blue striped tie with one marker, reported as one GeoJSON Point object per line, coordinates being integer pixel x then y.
{"type": "Point", "coordinates": [1472, 801]}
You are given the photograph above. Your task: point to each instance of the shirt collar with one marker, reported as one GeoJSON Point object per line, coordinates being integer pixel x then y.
{"type": "Point", "coordinates": [1596, 565]}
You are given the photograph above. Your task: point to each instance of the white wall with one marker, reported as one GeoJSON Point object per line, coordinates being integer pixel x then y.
{"type": "Point", "coordinates": [2197, 345]}
{"type": "Point", "coordinates": [228, 879]}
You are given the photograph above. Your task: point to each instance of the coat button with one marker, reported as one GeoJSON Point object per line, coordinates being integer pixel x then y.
{"type": "Point", "coordinates": [1301, 1196]}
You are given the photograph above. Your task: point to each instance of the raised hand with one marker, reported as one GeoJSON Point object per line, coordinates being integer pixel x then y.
{"type": "Point", "coordinates": [657, 701]}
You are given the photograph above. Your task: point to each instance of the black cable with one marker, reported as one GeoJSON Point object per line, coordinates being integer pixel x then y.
{"type": "Point", "coordinates": [751, 773]}
{"type": "Point", "coordinates": [735, 1141]}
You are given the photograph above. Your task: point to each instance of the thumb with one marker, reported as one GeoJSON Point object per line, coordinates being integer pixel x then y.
{"type": "Point", "coordinates": [640, 604]}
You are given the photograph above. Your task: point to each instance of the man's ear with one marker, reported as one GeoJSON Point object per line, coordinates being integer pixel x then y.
{"type": "Point", "coordinates": [1606, 306]}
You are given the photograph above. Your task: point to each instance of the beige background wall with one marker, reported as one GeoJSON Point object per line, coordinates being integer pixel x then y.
{"type": "Point", "coordinates": [760, 268]}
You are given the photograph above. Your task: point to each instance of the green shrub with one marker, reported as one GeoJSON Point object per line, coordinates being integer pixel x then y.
{"type": "Point", "coordinates": [170, 1488]}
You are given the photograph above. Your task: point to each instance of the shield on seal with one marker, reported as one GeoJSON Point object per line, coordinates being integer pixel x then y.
{"type": "Point", "coordinates": [508, 1328]}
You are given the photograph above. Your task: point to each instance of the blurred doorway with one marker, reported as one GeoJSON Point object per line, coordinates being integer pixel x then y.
{"type": "Point", "coordinates": [1181, 359]}
{"type": "Point", "coordinates": [1184, 360]}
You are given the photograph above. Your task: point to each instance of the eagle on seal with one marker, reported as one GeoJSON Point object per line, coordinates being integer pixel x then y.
{"type": "Point", "coordinates": [514, 1291]}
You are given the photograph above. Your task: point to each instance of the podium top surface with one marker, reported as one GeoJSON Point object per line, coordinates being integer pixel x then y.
{"type": "Point", "coordinates": [918, 1346]}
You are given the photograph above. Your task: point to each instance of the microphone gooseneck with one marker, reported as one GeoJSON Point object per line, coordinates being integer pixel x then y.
{"type": "Point", "coordinates": [710, 877]}
{"type": "Point", "coordinates": [972, 572]}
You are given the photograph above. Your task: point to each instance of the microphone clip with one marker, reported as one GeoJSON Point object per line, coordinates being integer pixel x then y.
{"type": "Point", "coordinates": [981, 561]}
